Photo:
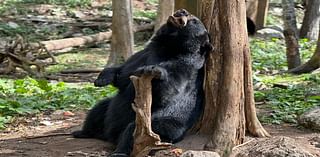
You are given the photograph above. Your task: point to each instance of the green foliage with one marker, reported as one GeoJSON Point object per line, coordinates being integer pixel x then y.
{"type": "Point", "coordinates": [153, 2]}
{"type": "Point", "coordinates": [30, 96]}
{"type": "Point", "coordinates": [149, 14]}
{"type": "Point", "coordinates": [273, 20]}
{"type": "Point", "coordinates": [81, 58]}
{"type": "Point", "coordinates": [286, 104]}
{"type": "Point", "coordinates": [6, 30]}
{"type": "Point", "coordinates": [270, 54]}
{"type": "Point", "coordinates": [16, 4]}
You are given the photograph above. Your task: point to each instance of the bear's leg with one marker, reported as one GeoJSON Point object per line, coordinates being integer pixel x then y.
{"type": "Point", "coordinates": [94, 123]}
{"type": "Point", "coordinates": [169, 129]}
{"type": "Point", "coordinates": [125, 144]}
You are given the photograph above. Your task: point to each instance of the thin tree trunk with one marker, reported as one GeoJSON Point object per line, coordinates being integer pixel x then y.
{"type": "Point", "coordinates": [312, 64]}
{"type": "Point", "coordinates": [122, 34]}
{"type": "Point", "coordinates": [311, 20]}
{"type": "Point", "coordinates": [291, 34]}
{"type": "Point", "coordinates": [228, 84]}
{"type": "Point", "coordinates": [165, 9]}
{"type": "Point", "coordinates": [257, 11]}
{"type": "Point", "coordinates": [190, 5]}
{"type": "Point", "coordinates": [262, 13]}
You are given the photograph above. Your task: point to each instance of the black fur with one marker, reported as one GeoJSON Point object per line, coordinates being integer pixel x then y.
{"type": "Point", "coordinates": [176, 55]}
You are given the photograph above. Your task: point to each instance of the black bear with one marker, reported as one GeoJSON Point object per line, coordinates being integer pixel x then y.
{"type": "Point", "coordinates": [177, 54]}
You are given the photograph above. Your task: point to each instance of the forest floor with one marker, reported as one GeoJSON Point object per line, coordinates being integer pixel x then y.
{"type": "Point", "coordinates": [48, 134]}
{"type": "Point", "coordinates": [45, 137]}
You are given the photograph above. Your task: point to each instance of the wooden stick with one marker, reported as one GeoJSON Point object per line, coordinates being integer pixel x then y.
{"type": "Point", "coordinates": [145, 139]}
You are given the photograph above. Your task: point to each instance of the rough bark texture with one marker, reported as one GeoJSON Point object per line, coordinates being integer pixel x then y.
{"type": "Point", "coordinates": [122, 34]}
{"type": "Point", "coordinates": [291, 34]}
{"type": "Point", "coordinates": [165, 9]}
{"type": "Point", "coordinates": [253, 124]}
{"type": "Point", "coordinates": [145, 139]}
{"type": "Point", "coordinates": [312, 64]}
{"type": "Point", "coordinates": [311, 20]}
{"type": "Point", "coordinates": [228, 83]}
{"type": "Point", "coordinates": [257, 11]}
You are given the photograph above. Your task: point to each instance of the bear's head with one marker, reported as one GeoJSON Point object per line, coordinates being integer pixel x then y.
{"type": "Point", "coordinates": [184, 33]}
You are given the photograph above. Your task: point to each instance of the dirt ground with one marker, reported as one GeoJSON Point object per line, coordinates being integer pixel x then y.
{"type": "Point", "coordinates": [49, 136]}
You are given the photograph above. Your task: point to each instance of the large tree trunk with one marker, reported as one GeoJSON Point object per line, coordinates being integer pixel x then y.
{"type": "Point", "coordinates": [312, 64]}
{"type": "Point", "coordinates": [228, 85]}
{"type": "Point", "coordinates": [311, 20]}
{"type": "Point", "coordinates": [291, 34]}
{"type": "Point", "coordinates": [122, 32]}
{"type": "Point", "coordinates": [165, 9]}
{"type": "Point", "coordinates": [257, 11]}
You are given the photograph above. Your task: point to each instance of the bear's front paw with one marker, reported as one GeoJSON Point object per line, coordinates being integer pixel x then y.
{"type": "Point", "coordinates": [153, 70]}
{"type": "Point", "coordinates": [100, 82]}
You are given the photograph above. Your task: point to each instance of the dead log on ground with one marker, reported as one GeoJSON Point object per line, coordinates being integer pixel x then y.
{"type": "Point", "coordinates": [22, 54]}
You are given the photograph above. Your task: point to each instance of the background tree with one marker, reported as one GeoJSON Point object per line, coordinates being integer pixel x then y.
{"type": "Point", "coordinates": [311, 20]}
{"type": "Point", "coordinates": [312, 64]}
{"type": "Point", "coordinates": [165, 9]}
{"type": "Point", "coordinates": [257, 11]}
{"type": "Point", "coordinates": [291, 34]}
{"type": "Point", "coordinates": [229, 107]}
{"type": "Point", "coordinates": [122, 31]}
{"type": "Point", "coordinates": [191, 6]}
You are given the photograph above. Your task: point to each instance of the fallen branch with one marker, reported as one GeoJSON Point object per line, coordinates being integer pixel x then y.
{"type": "Point", "coordinates": [22, 54]}
{"type": "Point", "coordinates": [145, 139]}
{"type": "Point", "coordinates": [48, 135]}
{"type": "Point", "coordinates": [71, 42]}
{"type": "Point", "coordinates": [83, 40]}
{"type": "Point", "coordinates": [75, 71]}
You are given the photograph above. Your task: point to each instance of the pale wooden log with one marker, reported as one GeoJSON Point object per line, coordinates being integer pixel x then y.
{"type": "Point", "coordinates": [145, 139]}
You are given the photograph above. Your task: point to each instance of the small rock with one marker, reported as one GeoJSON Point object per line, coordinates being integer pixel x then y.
{"type": "Point", "coordinates": [57, 115]}
{"type": "Point", "coordinates": [272, 147]}
{"type": "Point", "coordinates": [79, 14]}
{"type": "Point", "coordinates": [13, 24]}
{"type": "Point", "coordinates": [269, 33]}
{"type": "Point", "coordinates": [311, 119]}
{"type": "Point", "coordinates": [68, 113]}
{"type": "Point", "coordinates": [46, 123]}
{"type": "Point", "coordinates": [191, 153]}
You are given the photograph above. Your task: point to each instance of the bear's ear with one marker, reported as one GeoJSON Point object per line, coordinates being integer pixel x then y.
{"type": "Point", "coordinates": [178, 22]}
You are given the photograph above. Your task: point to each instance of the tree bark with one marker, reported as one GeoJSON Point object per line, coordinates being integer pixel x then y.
{"type": "Point", "coordinates": [263, 7]}
{"type": "Point", "coordinates": [312, 64]}
{"type": "Point", "coordinates": [291, 34]}
{"type": "Point", "coordinates": [311, 20]}
{"type": "Point", "coordinates": [228, 85]}
{"type": "Point", "coordinates": [122, 34]}
{"type": "Point", "coordinates": [165, 9]}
